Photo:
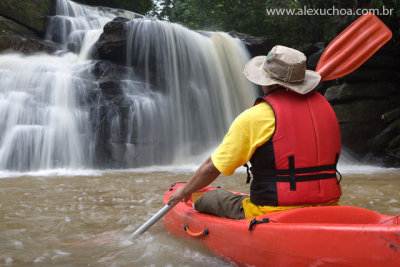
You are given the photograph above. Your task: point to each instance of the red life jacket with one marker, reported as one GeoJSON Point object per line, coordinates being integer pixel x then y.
{"type": "Point", "coordinates": [298, 164]}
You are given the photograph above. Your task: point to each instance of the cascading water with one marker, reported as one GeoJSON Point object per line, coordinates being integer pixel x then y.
{"type": "Point", "coordinates": [39, 117]}
{"type": "Point", "coordinates": [44, 122]}
{"type": "Point", "coordinates": [192, 89]}
{"type": "Point", "coordinates": [75, 26]}
{"type": "Point", "coordinates": [180, 95]}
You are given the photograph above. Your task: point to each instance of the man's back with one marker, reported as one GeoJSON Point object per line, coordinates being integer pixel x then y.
{"type": "Point", "coordinates": [298, 165]}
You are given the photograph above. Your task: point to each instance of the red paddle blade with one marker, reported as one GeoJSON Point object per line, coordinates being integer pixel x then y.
{"type": "Point", "coordinates": [353, 47]}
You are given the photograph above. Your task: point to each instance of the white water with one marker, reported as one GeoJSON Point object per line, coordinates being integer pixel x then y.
{"type": "Point", "coordinates": [48, 114]}
{"type": "Point", "coordinates": [347, 166]}
{"type": "Point", "coordinates": [198, 90]}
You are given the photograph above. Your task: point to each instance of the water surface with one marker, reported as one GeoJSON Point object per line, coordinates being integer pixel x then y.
{"type": "Point", "coordinates": [86, 220]}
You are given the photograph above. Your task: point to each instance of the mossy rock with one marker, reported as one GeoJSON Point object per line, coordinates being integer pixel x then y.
{"type": "Point", "coordinates": [362, 111]}
{"type": "Point", "coordinates": [112, 42]}
{"type": "Point", "coordinates": [355, 135]}
{"type": "Point", "coordinates": [394, 144]}
{"type": "Point", "coordinates": [313, 59]}
{"type": "Point", "coordinates": [16, 37]}
{"type": "Point", "coordinates": [361, 121]}
{"type": "Point", "coordinates": [383, 61]}
{"type": "Point", "coordinates": [363, 75]}
{"type": "Point", "coordinates": [32, 14]}
{"type": "Point", "coordinates": [10, 27]}
{"type": "Point", "coordinates": [356, 91]}
{"type": "Point", "coordinates": [256, 45]}
{"type": "Point", "coordinates": [391, 115]}
{"type": "Point", "coordinates": [386, 139]}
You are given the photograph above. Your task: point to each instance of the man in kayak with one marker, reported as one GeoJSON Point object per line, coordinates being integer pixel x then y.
{"type": "Point", "coordinates": [291, 137]}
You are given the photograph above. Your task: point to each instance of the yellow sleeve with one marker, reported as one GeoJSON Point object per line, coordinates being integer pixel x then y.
{"type": "Point", "coordinates": [251, 129]}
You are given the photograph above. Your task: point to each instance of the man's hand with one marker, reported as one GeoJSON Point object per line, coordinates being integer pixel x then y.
{"type": "Point", "coordinates": [178, 195]}
{"type": "Point", "coordinates": [204, 175]}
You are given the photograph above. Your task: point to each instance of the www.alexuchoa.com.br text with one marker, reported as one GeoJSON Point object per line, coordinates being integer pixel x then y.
{"type": "Point", "coordinates": [333, 11]}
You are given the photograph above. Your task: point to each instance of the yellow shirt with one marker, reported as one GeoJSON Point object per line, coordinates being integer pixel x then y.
{"type": "Point", "coordinates": [251, 129]}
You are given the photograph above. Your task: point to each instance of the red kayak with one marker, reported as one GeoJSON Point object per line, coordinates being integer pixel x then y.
{"type": "Point", "coordinates": [315, 236]}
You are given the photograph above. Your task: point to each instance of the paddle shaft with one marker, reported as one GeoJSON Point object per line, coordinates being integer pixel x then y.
{"type": "Point", "coordinates": [152, 220]}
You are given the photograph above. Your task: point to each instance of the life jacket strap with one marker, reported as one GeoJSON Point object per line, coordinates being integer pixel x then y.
{"type": "Point", "coordinates": [340, 175]}
{"type": "Point", "coordinates": [321, 168]}
{"type": "Point", "coordinates": [248, 170]}
{"type": "Point", "coordinates": [293, 174]}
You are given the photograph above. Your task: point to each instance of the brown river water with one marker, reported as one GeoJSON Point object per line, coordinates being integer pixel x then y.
{"type": "Point", "coordinates": [71, 219]}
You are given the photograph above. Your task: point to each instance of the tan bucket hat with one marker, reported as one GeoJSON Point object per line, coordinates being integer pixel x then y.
{"type": "Point", "coordinates": [283, 66]}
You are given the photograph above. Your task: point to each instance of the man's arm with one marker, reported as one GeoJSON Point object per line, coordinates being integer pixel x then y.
{"type": "Point", "coordinates": [204, 176]}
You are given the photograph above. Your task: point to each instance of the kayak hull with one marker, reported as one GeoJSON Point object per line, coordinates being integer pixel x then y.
{"type": "Point", "coordinates": [329, 236]}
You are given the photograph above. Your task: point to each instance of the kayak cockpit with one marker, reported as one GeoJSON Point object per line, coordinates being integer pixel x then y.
{"type": "Point", "coordinates": [333, 215]}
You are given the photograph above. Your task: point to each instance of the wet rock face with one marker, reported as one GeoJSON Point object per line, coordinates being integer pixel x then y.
{"type": "Point", "coordinates": [15, 37]}
{"type": "Point", "coordinates": [112, 47]}
{"type": "Point", "coordinates": [359, 121]}
{"type": "Point", "coordinates": [32, 14]}
{"type": "Point", "coordinates": [385, 147]}
{"type": "Point", "coordinates": [112, 43]}
{"type": "Point", "coordinates": [23, 25]}
{"type": "Point", "coordinates": [366, 103]}
{"type": "Point", "coordinates": [107, 71]}
{"type": "Point", "coordinates": [108, 103]}
{"type": "Point", "coordinates": [255, 44]}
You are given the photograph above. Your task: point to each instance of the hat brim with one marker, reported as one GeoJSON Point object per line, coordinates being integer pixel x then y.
{"type": "Point", "coordinates": [254, 72]}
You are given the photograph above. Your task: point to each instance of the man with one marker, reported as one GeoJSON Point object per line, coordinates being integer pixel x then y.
{"type": "Point", "coordinates": [291, 137]}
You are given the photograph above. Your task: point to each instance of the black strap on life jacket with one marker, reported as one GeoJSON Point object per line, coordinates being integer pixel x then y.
{"type": "Point", "coordinates": [293, 174]}
{"type": "Point", "coordinates": [336, 162]}
{"type": "Point", "coordinates": [248, 170]}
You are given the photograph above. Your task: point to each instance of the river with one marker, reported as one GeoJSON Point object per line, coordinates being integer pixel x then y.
{"type": "Point", "coordinates": [76, 218]}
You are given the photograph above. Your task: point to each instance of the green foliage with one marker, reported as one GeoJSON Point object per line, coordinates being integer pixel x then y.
{"type": "Point", "coordinates": [137, 6]}
{"type": "Point", "coordinates": [250, 16]}
{"type": "Point", "coordinates": [225, 15]}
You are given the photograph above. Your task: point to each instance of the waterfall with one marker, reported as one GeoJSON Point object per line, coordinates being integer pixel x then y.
{"type": "Point", "coordinates": [181, 93]}
{"type": "Point", "coordinates": [193, 89]}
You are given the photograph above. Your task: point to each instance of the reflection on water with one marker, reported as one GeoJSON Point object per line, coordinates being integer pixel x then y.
{"type": "Point", "coordinates": [86, 220]}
